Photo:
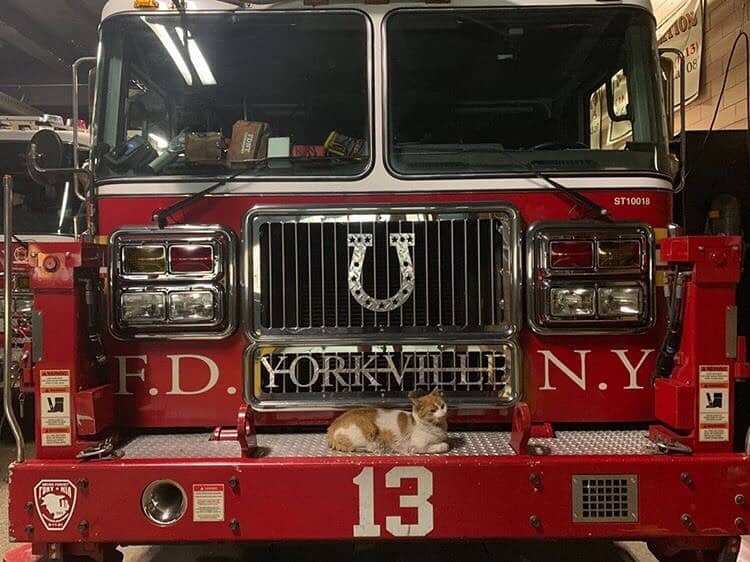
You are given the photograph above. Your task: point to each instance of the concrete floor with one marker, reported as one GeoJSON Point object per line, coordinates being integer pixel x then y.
{"type": "Point", "coordinates": [560, 551]}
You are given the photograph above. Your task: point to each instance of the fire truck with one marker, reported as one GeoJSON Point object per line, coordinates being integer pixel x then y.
{"type": "Point", "coordinates": [294, 208]}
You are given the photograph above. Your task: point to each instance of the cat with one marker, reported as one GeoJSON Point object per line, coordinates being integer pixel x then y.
{"type": "Point", "coordinates": [378, 430]}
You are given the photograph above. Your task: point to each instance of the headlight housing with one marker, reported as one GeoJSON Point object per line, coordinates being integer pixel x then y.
{"type": "Point", "coordinates": [590, 278]}
{"type": "Point", "coordinates": [176, 282]}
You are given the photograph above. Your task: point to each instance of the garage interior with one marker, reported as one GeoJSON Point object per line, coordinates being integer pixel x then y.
{"type": "Point", "coordinates": [40, 40]}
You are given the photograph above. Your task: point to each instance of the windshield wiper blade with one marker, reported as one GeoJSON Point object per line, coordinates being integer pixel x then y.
{"type": "Point", "coordinates": [161, 216]}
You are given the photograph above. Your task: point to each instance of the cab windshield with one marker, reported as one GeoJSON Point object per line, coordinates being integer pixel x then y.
{"type": "Point", "coordinates": [264, 94]}
{"type": "Point", "coordinates": [508, 91]}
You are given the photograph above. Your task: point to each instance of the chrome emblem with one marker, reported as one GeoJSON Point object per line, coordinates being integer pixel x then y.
{"type": "Point", "coordinates": [402, 242]}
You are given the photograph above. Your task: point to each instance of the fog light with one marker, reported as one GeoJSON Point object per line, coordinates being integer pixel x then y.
{"type": "Point", "coordinates": [620, 301]}
{"type": "Point", "coordinates": [142, 308]}
{"type": "Point", "coordinates": [193, 306]}
{"type": "Point", "coordinates": [614, 254]}
{"type": "Point", "coordinates": [164, 502]}
{"type": "Point", "coordinates": [571, 302]}
{"type": "Point", "coordinates": [144, 259]}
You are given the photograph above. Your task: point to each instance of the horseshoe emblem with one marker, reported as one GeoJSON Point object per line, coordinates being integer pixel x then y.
{"type": "Point", "coordinates": [402, 243]}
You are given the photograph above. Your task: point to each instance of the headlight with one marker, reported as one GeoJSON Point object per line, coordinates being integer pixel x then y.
{"type": "Point", "coordinates": [142, 308]}
{"type": "Point", "coordinates": [176, 282]}
{"type": "Point", "coordinates": [195, 306]}
{"type": "Point", "coordinates": [620, 301]}
{"type": "Point", "coordinates": [590, 277]}
{"type": "Point", "coordinates": [571, 303]}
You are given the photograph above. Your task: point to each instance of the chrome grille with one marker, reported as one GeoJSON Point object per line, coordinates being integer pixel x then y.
{"type": "Point", "coordinates": [460, 273]}
{"type": "Point", "coordinates": [328, 377]}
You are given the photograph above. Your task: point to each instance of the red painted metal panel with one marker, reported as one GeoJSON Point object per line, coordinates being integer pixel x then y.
{"type": "Point", "coordinates": [316, 498]}
{"type": "Point", "coordinates": [148, 396]}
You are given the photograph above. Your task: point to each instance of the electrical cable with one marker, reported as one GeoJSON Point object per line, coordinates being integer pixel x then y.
{"type": "Point", "coordinates": [740, 35]}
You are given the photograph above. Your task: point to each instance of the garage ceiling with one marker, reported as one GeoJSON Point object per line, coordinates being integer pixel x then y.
{"type": "Point", "coordinates": [39, 40]}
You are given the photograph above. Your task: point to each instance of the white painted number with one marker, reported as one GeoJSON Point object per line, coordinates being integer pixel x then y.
{"type": "Point", "coordinates": [393, 523]}
{"type": "Point", "coordinates": [366, 526]}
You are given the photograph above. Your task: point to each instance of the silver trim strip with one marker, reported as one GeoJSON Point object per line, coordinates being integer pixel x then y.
{"type": "Point", "coordinates": [379, 182]}
{"type": "Point", "coordinates": [339, 401]}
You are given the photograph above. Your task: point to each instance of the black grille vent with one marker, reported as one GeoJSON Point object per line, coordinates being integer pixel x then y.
{"type": "Point", "coordinates": [461, 278]}
{"type": "Point", "coordinates": [605, 498]}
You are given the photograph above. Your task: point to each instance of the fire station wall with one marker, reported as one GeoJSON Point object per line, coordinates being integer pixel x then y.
{"type": "Point", "coordinates": [724, 20]}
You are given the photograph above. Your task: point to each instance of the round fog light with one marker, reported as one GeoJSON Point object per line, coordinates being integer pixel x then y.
{"type": "Point", "coordinates": [164, 502]}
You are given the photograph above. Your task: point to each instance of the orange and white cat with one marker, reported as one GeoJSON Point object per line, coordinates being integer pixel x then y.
{"type": "Point", "coordinates": [375, 430]}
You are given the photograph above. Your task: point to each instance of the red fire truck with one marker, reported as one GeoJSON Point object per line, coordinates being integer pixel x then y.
{"type": "Point", "coordinates": [296, 208]}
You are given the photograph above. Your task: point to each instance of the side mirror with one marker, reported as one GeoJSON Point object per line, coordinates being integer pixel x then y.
{"type": "Point", "coordinates": [667, 56]}
{"type": "Point", "coordinates": [667, 79]}
{"type": "Point", "coordinates": [613, 84]}
{"type": "Point", "coordinates": [44, 156]}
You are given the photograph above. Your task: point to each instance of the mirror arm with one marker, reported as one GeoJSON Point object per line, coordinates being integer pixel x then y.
{"type": "Point", "coordinates": [683, 132]}
{"type": "Point", "coordinates": [74, 171]}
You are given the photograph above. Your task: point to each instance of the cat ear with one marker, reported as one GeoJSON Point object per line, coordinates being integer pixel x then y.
{"type": "Point", "coordinates": [417, 394]}
{"type": "Point", "coordinates": [436, 392]}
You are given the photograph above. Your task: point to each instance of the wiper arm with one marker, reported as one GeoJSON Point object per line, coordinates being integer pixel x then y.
{"type": "Point", "coordinates": [161, 216]}
{"type": "Point", "coordinates": [593, 209]}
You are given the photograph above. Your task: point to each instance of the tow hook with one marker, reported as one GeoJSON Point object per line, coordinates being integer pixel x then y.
{"type": "Point", "coordinates": [97, 451]}
{"type": "Point", "coordinates": [671, 447]}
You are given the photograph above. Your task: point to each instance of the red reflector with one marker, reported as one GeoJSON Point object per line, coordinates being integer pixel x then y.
{"type": "Point", "coordinates": [571, 255]}
{"type": "Point", "coordinates": [191, 259]}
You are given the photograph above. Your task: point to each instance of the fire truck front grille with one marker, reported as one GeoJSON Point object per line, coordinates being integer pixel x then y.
{"type": "Point", "coordinates": [310, 377]}
{"type": "Point", "coordinates": [407, 271]}
{"type": "Point", "coordinates": [605, 498]}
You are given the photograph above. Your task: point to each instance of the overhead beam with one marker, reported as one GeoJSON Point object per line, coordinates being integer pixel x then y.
{"type": "Point", "coordinates": [47, 95]}
{"type": "Point", "coordinates": [35, 31]}
{"type": "Point", "coordinates": [13, 37]}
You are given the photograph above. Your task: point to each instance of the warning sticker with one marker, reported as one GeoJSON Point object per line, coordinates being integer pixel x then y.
{"type": "Point", "coordinates": [208, 502]}
{"type": "Point", "coordinates": [51, 438]}
{"type": "Point", "coordinates": [714, 402]}
{"type": "Point", "coordinates": [54, 409]}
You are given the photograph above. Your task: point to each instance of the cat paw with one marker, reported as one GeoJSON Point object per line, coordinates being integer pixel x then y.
{"type": "Point", "coordinates": [438, 448]}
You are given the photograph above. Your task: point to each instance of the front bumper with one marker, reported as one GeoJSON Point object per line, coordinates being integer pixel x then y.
{"type": "Point", "coordinates": [295, 489]}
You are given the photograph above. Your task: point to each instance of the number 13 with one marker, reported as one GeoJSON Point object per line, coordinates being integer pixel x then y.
{"type": "Point", "coordinates": [420, 501]}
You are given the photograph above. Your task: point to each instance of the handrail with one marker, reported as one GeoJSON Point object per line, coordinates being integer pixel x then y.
{"type": "Point", "coordinates": [7, 320]}
{"type": "Point", "coordinates": [86, 198]}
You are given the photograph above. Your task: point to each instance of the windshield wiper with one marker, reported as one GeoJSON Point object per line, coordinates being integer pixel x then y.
{"type": "Point", "coordinates": [161, 216]}
{"type": "Point", "coordinates": [592, 209]}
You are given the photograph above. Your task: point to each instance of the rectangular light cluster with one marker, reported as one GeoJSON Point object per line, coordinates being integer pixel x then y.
{"type": "Point", "coordinates": [590, 277]}
{"type": "Point", "coordinates": [173, 282]}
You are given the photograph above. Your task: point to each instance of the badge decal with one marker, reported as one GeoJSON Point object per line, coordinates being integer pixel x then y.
{"type": "Point", "coordinates": [55, 501]}
{"type": "Point", "coordinates": [402, 242]}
